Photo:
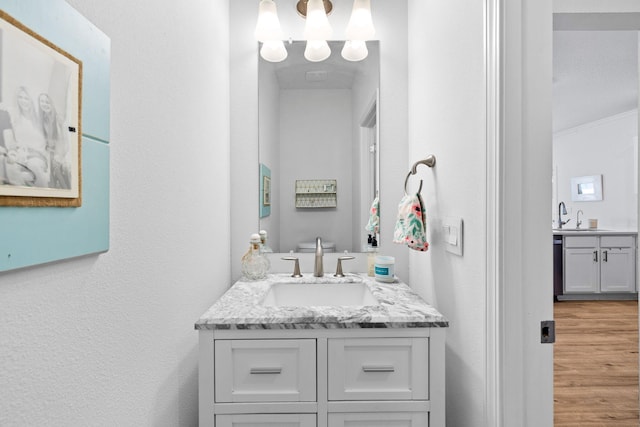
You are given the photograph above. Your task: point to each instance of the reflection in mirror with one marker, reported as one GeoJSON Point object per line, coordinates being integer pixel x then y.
{"type": "Point", "coordinates": [318, 135]}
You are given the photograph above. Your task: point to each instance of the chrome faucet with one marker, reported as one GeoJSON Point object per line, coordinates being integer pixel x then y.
{"type": "Point", "coordinates": [318, 270]}
{"type": "Point", "coordinates": [578, 222]}
{"type": "Point", "coordinates": [562, 210]}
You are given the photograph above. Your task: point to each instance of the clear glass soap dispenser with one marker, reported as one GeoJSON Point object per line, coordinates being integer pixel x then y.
{"type": "Point", "coordinates": [254, 264]}
{"type": "Point", "coordinates": [264, 248]}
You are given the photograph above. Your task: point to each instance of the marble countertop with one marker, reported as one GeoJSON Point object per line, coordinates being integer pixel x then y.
{"type": "Point", "coordinates": [589, 232]}
{"type": "Point", "coordinates": [399, 307]}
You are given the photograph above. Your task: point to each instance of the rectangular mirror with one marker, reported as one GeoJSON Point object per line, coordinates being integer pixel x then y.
{"type": "Point", "coordinates": [318, 122]}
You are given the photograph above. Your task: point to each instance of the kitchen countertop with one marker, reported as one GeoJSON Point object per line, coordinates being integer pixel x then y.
{"type": "Point", "coordinates": [589, 232]}
{"type": "Point", "coordinates": [399, 307]}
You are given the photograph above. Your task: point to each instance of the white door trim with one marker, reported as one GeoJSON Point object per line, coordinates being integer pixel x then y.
{"type": "Point", "coordinates": [514, 395]}
{"type": "Point", "coordinates": [493, 94]}
{"type": "Point", "coordinates": [519, 386]}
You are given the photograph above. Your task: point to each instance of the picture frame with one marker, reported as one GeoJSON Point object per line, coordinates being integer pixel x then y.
{"type": "Point", "coordinates": [586, 188]}
{"type": "Point", "coordinates": [40, 120]}
{"type": "Point", "coordinates": [265, 191]}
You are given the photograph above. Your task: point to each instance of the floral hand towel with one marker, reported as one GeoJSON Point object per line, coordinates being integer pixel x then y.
{"type": "Point", "coordinates": [373, 226]}
{"type": "Point", "coordinates": [410, 226]}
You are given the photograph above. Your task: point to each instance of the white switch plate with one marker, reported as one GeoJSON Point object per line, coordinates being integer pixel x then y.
{"type": "Point", "coordinates": [452, 232]}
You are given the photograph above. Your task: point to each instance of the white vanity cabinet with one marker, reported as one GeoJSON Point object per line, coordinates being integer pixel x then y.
{"type": "Point", "coordinates": [599, 264]}
{"type": "Point", "coordinates": [349, 377]}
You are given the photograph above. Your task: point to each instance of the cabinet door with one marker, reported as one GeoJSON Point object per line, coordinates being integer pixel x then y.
{"type": "Point", "coordinates": [379, 369]}
{"type": "Point", "coordinates": [379, 419]}
{"type": "Point", "coordinates": [266, 420]}
{"type": "Point", "coordinates": [618, 270]}
{"type": "Point", "coordinates": [265, 370]}
{"type": "Point", "coordinates": [581, 270]}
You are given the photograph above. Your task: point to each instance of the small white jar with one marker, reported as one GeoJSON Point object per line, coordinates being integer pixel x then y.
{"type": "Point", "coordinates": [384, 268]}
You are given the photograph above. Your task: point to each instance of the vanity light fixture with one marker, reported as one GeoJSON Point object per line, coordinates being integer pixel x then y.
{"type": "Point", "coordinates": [268, 32]}
{"type": "Point", "coordinates": [359, 29]}
{"type": "Point", "coordinates": [317, 30]}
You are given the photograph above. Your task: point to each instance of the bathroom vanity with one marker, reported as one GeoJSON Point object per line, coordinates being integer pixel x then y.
{"type": "Point", "coordinates": [326, 352]}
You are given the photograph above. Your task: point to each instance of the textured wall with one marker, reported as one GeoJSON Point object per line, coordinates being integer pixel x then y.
{"type": "Point", "coordinates": [109, 340]}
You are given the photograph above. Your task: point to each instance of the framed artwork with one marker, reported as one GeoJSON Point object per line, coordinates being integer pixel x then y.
{"type": "Point", "coordinates": [586, 188]}
{"type": "Point", "coordinates": [40, 118]}
{"type": "Point", "coordinates": [265, 191]}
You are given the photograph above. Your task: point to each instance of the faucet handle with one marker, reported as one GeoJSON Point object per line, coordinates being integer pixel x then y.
{"type": "Point", "coordinates": [339, 265]}
{"type": "Point", "coordinates": [296, 266]}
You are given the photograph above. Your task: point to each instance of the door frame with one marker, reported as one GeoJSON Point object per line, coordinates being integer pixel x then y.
{"type": "Point", "coordinates": [519, 257]}
{"type": "Point", "coordinates": [518, 52]}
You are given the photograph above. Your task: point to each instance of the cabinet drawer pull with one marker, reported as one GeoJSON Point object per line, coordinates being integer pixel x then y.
{"type": "Point", "coordinates": [261, 371]}
{"type": "Point", "coordinates": [382, 368]}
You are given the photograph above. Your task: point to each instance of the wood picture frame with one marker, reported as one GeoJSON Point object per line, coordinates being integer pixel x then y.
{"type": "Point", "coordinates": [265, 191]}
{"type": "Point", "coordinates": [40, 120]}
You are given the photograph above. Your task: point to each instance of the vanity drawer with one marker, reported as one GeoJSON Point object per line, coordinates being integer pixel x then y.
{"type": "Point", "coordinates": [379, 419]}
{"type": "Point", "coordinates": [266, 420]}
{"type": "Point", "coordinates": [265, 370]}
{"type": "Point", "coordinates": [378, 369]}
{"type": "Point", "coordinates": [617, 242]}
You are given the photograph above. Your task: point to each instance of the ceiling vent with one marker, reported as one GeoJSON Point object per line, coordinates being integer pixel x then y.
{"type": "Point", "coordinates": [316, 76]}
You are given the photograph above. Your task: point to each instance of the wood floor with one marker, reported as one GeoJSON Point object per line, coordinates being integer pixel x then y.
{"type": "Point", "coordinates": [596, 364]}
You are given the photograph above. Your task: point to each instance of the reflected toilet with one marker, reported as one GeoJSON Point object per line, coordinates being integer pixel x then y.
{"type": "Point", "coordinates": [310, 247]}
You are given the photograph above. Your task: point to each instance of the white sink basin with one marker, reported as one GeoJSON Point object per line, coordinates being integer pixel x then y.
{"type": "Point", "coordinates": [319, 294]}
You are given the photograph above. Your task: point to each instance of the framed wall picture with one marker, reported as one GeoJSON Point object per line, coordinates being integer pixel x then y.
{"type": "Point", "coordinates": [40, 118]}
{"type": "Point", "coordinates": [586, 188]}
{"type": "Point", "coordinates": [265, 191]}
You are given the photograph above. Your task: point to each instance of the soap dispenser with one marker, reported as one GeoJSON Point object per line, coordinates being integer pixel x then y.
{"type": "Point", "coordinates": [264, 248]}
{"type": "Point", "coordinates": [254, 264]}
{"type": "Point", "coordinates": [371, 256]}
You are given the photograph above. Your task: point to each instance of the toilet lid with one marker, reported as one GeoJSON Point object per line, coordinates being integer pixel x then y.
{"type": "Point", "coordinates": [312, 245]}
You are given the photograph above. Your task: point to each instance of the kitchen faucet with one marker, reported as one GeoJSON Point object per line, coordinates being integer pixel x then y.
{"type": "Point", "coordinates": [578, 222]}
{"type": "Point", "coordinates": [318, 270]}
{"type": "Point", "coordinates": [562, 210]}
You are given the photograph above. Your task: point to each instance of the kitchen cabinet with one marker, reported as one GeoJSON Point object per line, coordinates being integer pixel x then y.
{"type": "Point", "coordinates": [599, 264]}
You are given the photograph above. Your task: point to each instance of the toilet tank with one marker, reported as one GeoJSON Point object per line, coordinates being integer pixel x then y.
{"type": "Point", "coordinates": [308, 247]}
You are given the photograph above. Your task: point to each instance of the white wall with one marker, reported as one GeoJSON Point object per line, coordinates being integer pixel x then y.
{"type": "Point", "coordinates": [364, 92]}
{"type": "Point", "coordinates": [606, 147]}
{"type": "Point", "coordinates": [390, 18]}
{"type": "Point", "coordinates": [109, 339]}
{"type": "Point", "coordinates": [447, 119]}
{"type": "Point", "coordinates": [327, 146]}
{"type": "Point", "coordinates": [269, 137]}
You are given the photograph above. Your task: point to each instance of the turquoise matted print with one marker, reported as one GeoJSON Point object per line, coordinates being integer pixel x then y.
{"type": "Point", "coordinates": [265, 191]}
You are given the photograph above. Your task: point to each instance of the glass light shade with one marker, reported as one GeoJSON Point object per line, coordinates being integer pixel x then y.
{"type": "Point", "coordinates": [360, 26]}
{"type": "Point", "coordinates": [317, 26]}
{"type": "Point", "coordinates": [317, 50]}
{"type": "Point", "coordinates": [273, 51]}
{"type": "Point", "coordinates": [268, 25]}
{"type": "Point", "coordinates": [355, 50]}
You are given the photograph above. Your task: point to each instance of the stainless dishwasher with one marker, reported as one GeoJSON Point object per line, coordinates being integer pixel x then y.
{"type": "Point", "coordinates": [557, 266]}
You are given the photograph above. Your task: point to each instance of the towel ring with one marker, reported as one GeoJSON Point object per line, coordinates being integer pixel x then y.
{"type": "Point", "coordinates": [429, 161]}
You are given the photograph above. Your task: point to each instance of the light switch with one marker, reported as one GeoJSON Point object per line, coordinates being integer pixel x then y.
{"type": "Point", "coordinates": [452, 228]}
